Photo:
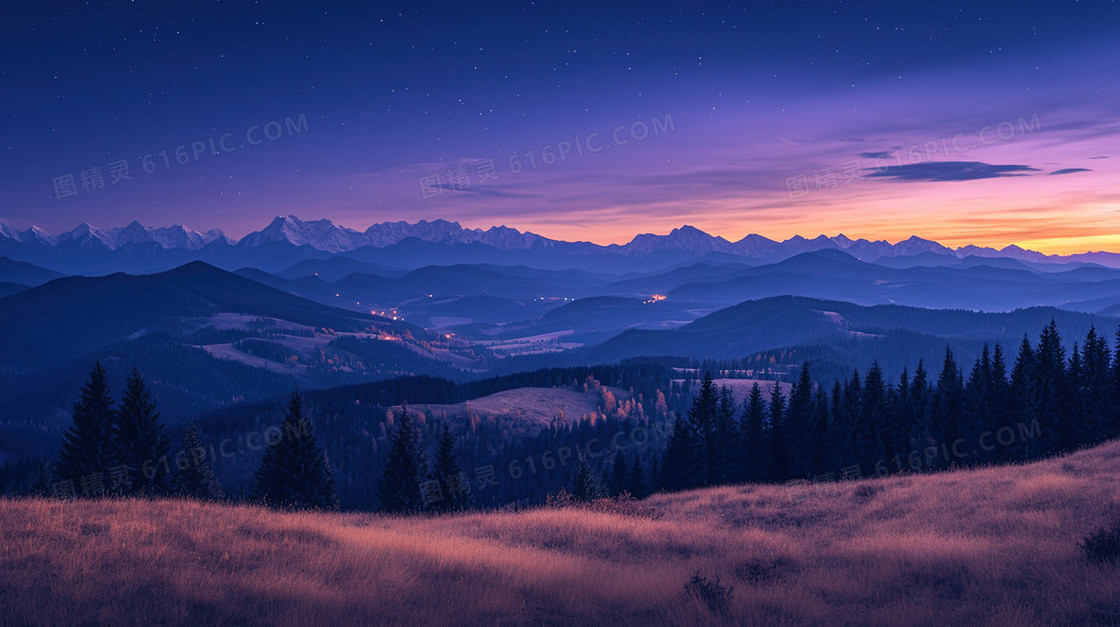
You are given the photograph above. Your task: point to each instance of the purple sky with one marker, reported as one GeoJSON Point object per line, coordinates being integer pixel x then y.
{"type": "Point", "coordinates": [982, 124]}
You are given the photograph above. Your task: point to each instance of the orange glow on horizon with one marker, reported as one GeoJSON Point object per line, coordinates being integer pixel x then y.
{"type": "Point", "coordinates": [1089, 226]}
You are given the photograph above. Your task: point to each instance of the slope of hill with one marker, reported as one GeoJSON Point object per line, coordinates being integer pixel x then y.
{"type": "Point", "coordinates": [536, 407]}
{"type": "Point", "coordinates": [203, 337]}
{"type": "Point", "coordinates": [591, 320]}
{"type": "Point", "coordinates": [892, 334]}
{"type": "Point", "coordinates": [983, 284]}
{"type": "Point", "coordinates": [990, 546]}
{"type": "Point", "coordinates": [8, 288]}
{"type": "Point", "coordinates": [25, 273]}
{"type": "Point", "coordinates": [84, 313]}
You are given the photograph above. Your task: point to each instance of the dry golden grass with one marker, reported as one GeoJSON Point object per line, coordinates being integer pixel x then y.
{"type": "Point", "coordinates": [992, 546]}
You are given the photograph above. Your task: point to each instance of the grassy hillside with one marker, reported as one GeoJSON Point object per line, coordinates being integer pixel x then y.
{"type": "Point", "coordinates": [990, 546]}
{"type": "Point", "coordinates": [536, 407]}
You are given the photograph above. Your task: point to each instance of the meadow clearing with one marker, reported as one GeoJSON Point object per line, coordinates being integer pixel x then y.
{"type": "Point", "coordinates": [992, 546]}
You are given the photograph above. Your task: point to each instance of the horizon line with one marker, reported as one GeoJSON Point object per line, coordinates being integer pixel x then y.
{"type": "Point", "coordinates": [4, 222]}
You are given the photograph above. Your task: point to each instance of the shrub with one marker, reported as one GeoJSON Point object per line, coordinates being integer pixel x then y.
{"type": "Point", "coordinates": [626, 505]}
{"type": "Point", "coordinates": [867, 491]}
{"type": "Point", "coordinates": [1103, 545]}
{"type": "Point", "coordinates": [763, 571]}
{"type": "Point", "coordinates": [713, 594]}
{"type": "Point", "coordinates": [563, 498]}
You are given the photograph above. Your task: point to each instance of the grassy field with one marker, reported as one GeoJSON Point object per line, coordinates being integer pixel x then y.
{"type": "Point", "coordinates": [990, 546]}
{"type": "Point", "coordinates": [533, 407]}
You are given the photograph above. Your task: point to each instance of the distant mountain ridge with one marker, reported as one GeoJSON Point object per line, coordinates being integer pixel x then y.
{"type": "Point", "coordinates": [326, 237]}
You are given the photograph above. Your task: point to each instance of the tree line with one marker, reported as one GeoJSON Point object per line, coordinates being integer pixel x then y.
{"type": "Point", "coordinates": [1042, 404]}
{"type": "Point", "coordinates": [122, 450]}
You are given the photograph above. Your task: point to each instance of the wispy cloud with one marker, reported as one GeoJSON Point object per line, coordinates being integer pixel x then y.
{"type": "Point", "coordinates": [1070, 170]}
{"type": "Point", "coordinates": [938, 171]}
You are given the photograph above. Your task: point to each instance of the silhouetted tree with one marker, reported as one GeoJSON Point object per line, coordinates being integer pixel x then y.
{"type": "Point", "coordinates": [454, 492]}
{"type": "Point", "coordinates": [194, 478]}
{"type": "Point", "coordinates": [142, 443]}
{"type": "Point", "coordinates": [948, 404]}
{"type": "Point", "coordinates": [89, 451]}
{"type": "Point", "coordinates": [400, 484]}
{"type": "Point", "coordinates": [703, 416]}
{"type": "Point", "coordinates": [637, 483]}
{"type": "Point", "coordinates": [1092, 387]}
{"type": "Point", "coordinates": [722, 443]}
{"type": "Point", "coordinates": [872, 426]}
{"type": "Point", "coordinates": [295, 473]}
{"type": "Point", "coordinates": [800, 427]}
{"type": "Point", "coordinates": [585, 487]}
{"type": "Point", "coordinates": [1024, 397]}
{"type": "Point", "coordinates": [753, 442]}
{"type": "Point", "coordinates": [779, 457]}
{"type": "Point", "coordinates": [44, 479]}
{"type": "Point", "coordinates": [680, 463]}
{"type": "Point", "coordinates": [977, 404]}
{"type": "Point", "coordinates": [999, 392]}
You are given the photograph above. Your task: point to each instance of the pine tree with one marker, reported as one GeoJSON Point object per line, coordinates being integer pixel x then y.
{"type": "Point", "coordinates": [1000, 392]}
{"type": "Point", "coordinates": [1051, 388]}
{"type": "Point", "coordinates": [848, 421]}
{"type": "Point", "coordinates": [897, 436]}
{"type": "Point", "coordinates": [585, 487]}
{"type": "Point", "coordinates": [921, 398]}
{"type": "Point", "coordinates": [142, 443]}
{"type": "Point", "coordinates": [44, 481]}
{"type": "Point", "coordinates": [680, 464]}
{"type": "Point", "coordinates": [294, 473]}
{"type": "Point", "coordinates": [637, 486]}
{"type": "Point", "coordinates": [779, 456]}
{"type": "Point", "coordinates": [799, 427]}
{"type": "Point", "coordinates": [871, 429]}
{"type": "Point", "coordinates": [726, 434]}
{"type": "Point", "coordinates": [1114, 428]}
{"type": "Point", "coordinates": [753, 445]}
{"type": "Point", "coordinates": [1023, 402]}
{"type": "Point", "coordinates": [447, 470]}
{"type": "Point", "coordinates": [1094, 393]}
{"type": "Point", "coordinates": [703, 416]}
{"type": "Point", "coordinates": [822, 437]}
{"type": "Point", "coordinates": [88, 449]}
{"type": "Point", "coordinates": [948, 403]}
{"type": "Point", "coordinates": [195, 479]}
{"type": "Point", "coordinates": [400, 484]}
{"type": "Point", "coordinates": [977, 404]}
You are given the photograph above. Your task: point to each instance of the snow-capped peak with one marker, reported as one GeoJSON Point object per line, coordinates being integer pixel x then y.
{"type": "Point", "coordinates": [319, 234]}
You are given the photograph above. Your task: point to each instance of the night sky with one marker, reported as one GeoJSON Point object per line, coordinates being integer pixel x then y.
{"type": "Point", "coordinates": [987, 123]}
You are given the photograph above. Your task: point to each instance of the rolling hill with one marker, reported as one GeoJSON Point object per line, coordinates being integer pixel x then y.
{"type": "Point", "coordinates": [832, 274]}
{"type": "Point", "coordinates": [71, 316]}
{"type": "Point", "coordinates": [534, 407]}
{"type": "Point", "coordinates": [24, 273]}
{"type": "Point", "coordinates": [204, 337]}
{"type": "Point", "coordinates": [590, 320]}
{"type": "Point", "coordinates": [894, 335]}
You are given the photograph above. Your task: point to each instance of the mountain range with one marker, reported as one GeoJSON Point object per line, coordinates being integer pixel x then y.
{"type": "Point", "coordinates": [288, 240]}
{"type": "Point", "coordinates": [207, 337]}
